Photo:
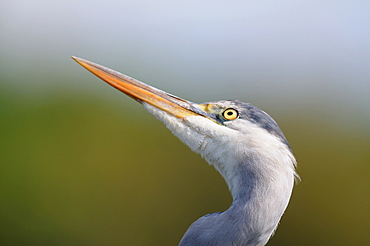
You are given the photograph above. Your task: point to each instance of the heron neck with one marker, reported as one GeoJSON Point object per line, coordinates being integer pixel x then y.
{"type": "Point", "coordinates": [261, 192]}
{"type": "Point", "coordinates": [252, 218]}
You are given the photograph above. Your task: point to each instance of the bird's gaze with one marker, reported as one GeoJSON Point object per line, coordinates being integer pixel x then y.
{"type": "Point", "coordinates": [230, 114]}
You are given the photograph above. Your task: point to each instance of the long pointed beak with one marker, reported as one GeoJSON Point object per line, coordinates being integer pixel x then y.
{"type": "Point", "coordinates": [142, 92]}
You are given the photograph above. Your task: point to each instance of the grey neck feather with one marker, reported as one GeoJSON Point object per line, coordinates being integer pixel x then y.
{"type": "Point", "coordinates": [252, 218]}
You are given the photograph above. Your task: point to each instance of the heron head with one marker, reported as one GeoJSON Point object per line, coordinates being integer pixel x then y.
{"type": "Point", "coordinates": [226, 133]}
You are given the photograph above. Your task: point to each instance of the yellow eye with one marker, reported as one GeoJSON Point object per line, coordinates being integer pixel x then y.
{"type": "Point", "coordinates": [230, 114]}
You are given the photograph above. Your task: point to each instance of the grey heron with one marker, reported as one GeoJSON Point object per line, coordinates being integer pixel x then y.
{"type": "Point", "coordinates": [242, 142]}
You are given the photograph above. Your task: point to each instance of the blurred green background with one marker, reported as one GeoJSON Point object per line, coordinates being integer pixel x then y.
{"type": "Point", "coordinates": [82, 164]}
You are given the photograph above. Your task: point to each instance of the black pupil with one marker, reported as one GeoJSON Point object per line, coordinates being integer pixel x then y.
{"type": "Point", "coordinates": [230, 113]}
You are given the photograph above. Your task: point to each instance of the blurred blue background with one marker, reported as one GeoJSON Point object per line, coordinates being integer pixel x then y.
{"type": "Point", "coordinates": [82, 164]}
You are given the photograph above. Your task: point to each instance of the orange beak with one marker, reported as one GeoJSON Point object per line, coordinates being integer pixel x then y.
{"type": "Point", "coordinates": [142, 92]}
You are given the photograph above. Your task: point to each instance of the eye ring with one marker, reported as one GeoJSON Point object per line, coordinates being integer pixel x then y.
{"type": "Point", "coordinates": [230, 114]}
